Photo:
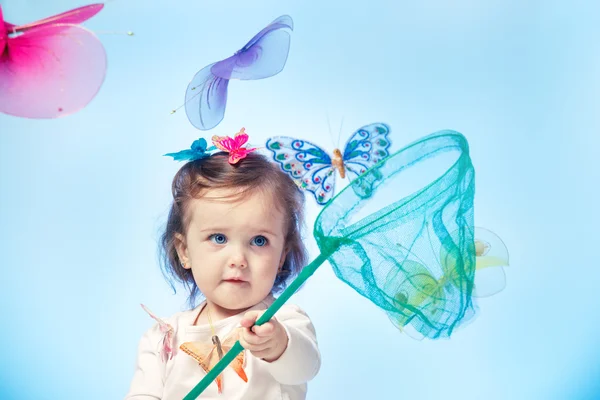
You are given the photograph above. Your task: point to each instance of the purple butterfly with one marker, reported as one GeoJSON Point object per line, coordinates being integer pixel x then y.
{"type": "Point", "coordinates": [263, 56]}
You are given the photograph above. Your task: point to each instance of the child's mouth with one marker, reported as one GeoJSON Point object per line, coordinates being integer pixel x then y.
{"type": "Point", "coordinates": [235, 280]}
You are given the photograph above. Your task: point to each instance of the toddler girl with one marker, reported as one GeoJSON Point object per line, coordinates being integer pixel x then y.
{"type": "Point", "coordinates": [232, 236]}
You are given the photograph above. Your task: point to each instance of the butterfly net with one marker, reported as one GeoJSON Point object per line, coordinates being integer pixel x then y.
{"type": "Point", "coordinates": [406, 246]}
{"type": "Point", "coordinates": [414, 256]}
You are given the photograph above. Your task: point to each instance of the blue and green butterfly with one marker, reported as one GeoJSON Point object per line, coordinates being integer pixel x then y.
{"type": "Point", "coordinates": [313, 169]}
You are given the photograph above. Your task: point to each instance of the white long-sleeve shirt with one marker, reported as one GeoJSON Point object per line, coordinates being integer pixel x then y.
{"type": "Point", "coordinates": [285, 378]}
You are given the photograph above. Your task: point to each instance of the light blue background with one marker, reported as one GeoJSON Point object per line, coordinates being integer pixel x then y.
{"type": "Point", "coordinates": [83, 198]}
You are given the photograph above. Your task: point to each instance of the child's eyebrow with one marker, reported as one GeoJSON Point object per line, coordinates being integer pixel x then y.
{"type": "Point", "coordinates": [267, 231]}
{"type": "Point", "coordinates": [214, 229]}
{"type": "Point", "coordinates": [218, 229]}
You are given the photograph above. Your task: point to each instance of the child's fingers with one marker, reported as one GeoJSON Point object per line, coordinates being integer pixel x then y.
{"type": "Point", "coordinates": [251, 343]}
{"type": "Point", "coordinates": [250, 318]}
{"type": "Point", "coordinates": [264, 330]}
{"type": "Point", "coordinates": [252, 338]}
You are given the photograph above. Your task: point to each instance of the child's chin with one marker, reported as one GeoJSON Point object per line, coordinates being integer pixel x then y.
{"type": "Point", "coordinates": [235, 303]}
{"type": "Point", "coordinates": [239, 299]}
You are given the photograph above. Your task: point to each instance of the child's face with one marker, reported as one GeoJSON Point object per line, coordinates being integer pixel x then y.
{"type": "Point", "coordinates": [235, 249]}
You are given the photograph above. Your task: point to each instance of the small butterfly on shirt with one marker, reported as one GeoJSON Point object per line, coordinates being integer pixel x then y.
{"type": "Point", "coordinates": [209, 355]}
{"type": "Point", "coordinates": [168, 342]}
{"type": "Point", "coordinates": [313, 169]}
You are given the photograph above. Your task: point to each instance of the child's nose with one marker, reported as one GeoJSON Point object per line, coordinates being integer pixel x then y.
{"type": "Point", "coordinates": [238, 259]}
{"type": "Point", "coordinates": [237, 264]}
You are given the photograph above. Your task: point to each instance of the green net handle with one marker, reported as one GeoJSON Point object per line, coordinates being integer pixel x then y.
{"type": "Point", "coordinates": [237, 347]}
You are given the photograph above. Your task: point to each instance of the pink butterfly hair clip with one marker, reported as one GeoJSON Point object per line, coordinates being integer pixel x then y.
{"type": "Point", "coordinates": [168, 343]}
{"type": "Point", "coordinates": [233, 146]}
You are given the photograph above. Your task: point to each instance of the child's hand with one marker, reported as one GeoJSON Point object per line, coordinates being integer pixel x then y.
{"type": "Point", "coordinates": [267, 341]}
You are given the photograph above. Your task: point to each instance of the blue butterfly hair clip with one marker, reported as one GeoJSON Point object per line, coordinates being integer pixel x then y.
{"type": "Point", "coordinates": [196, 152]}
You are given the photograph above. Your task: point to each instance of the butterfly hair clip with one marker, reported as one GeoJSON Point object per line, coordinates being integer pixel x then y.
{"type": "Point", "coordinates": [52, 67]}
{"type": "Point", "coordinates": [168, 342]}
{"type": "Point", "coordinates": [263, 56]}
{"type": "Point", "coordinates": [197, 151]}
{"type": "Point", "coordinates": [313, 169]}
{"type": "Point", "coordinates": [234, 146]}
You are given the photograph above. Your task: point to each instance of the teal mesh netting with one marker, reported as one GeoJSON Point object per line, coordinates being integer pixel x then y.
{"type": "Point", "coordinates": [414, 255]}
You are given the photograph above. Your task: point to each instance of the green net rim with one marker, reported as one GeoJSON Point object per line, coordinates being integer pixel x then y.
{"type": "Point", "coordinates": [461, 144]}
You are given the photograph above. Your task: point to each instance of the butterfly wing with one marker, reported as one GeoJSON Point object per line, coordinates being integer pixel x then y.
{"type": "Point", "coordinates": [419, 300]}
{"type": "Point", "coordinates": [365, 148]}
{"type": "Point", "coordinates": [282, 22]}
{"type": "Point", "coordinates": [207, 357]}
{"type": "Point", "coordinates": [238, 362]}
{"type": "Point", "coordinates": [168, 338]}
{"type": "Point", "coordinates": [167, 346]}
{"type": "Point", "coordinates": [205, 354]}
{"type": "Point", "coordinates": [226, 143]}
{"type": "Point", "coordinates": [233, 145]}
{"type": "Point", "coordinates": [307, 164]}
{"type": "Point", "coordinates": [490, 277]}
{"type": "Point", "coordinates": [164, 327]}
{"type": "Point", "coordinates": [223, 143]}
{"type": "Point", "coordinates": [75, 16]}
{"type": "Point", "coordinates": [183, 155]}
{"type": "Point", "coordinates": [50, 71]}
{"type": "Point", "coordinates": [240, 138]}
{"type": "Point", "coordinates": [205, 99]}
{"type": "Point", "coordinates": [4, 26]}
{"type": "Point", "coordinates": [263, 56]}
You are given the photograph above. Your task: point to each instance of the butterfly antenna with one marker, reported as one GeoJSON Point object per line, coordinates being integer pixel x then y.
{"type": "Point", "coordinates": [340, 132]}
{"type": "Point", "coordinates": [173, 111]}
{"type": "Point", "coordinates": [329, 126]}
{"type": "Point", "coordinates": [128, 33]}
{"type": "Point", "coordinates": [193, 97]}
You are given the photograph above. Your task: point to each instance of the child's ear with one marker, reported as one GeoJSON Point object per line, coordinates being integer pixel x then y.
{"type": "Point", "coordinates": [182, 253]}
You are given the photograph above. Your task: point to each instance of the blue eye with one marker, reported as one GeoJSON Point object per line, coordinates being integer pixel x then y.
{"type": "Point", "coordinates": [260, 241]}
{"type": "Point", "coordinates": [218, 238]}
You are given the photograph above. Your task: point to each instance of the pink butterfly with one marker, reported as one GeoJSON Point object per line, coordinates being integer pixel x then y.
{"type": "Point", "coordinates": [52, 67]}
{"type": "Point", "coordinates": [168, 340]}
{"type": "Point", "coordinates": [233, 146]}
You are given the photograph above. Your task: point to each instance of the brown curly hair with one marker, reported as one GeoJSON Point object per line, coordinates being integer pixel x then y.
{"type": "Point", "coordinates": [255, 172]}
